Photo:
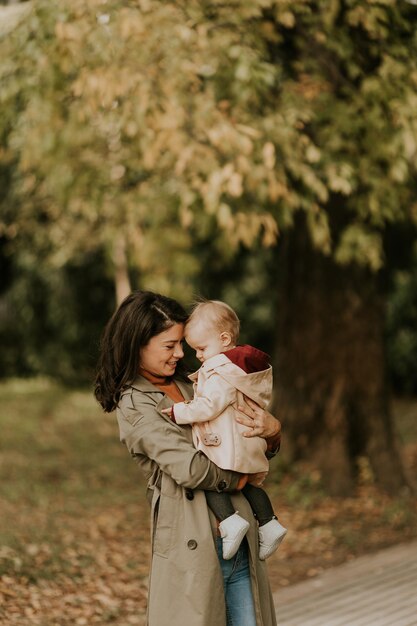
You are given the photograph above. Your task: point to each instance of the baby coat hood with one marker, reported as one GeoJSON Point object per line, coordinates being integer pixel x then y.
{"type": "Point", "coordinates": [248, 358]}
{"type": "Point", "coordinates": [256, 385]}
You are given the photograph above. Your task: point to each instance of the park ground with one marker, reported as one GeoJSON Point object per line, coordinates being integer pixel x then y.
{"type": "Point", "coordinates": [74, 526]}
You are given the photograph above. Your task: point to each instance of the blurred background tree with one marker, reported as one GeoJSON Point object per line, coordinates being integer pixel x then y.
{"type": "Point", "coordinates": [260, 151]}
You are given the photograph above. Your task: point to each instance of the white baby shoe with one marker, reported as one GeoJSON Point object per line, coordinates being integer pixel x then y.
{"type": "Point", "coordinates": [232, 531]}
{"type": "Point", "coordinates": [270, 536]}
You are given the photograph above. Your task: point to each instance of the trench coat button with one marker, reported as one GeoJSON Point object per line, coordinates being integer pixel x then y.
{"type": "Point", "coordinates": [192, 544]}
{"type": "Point", "coordinates": [222, 485]}
{"type": "Point", "coordinates": [189, 494]}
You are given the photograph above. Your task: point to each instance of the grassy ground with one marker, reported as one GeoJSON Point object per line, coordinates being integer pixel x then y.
{"type": "Point", "coordinates": [74, 528]}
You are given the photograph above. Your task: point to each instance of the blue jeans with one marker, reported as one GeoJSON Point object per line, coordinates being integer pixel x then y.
{"type": "Point", "coordinates": [240, 609]}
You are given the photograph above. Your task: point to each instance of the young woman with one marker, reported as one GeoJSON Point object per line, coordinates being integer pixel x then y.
{"type": "Point", "coordinates": [139, 375]}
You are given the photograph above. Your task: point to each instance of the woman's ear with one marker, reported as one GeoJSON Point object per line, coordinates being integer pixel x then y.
{"type": "Point", "coordinates": [226, 339]}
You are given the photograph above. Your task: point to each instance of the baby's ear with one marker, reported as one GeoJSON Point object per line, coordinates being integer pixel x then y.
{"type": "Point", "coordinates": [226, 339]}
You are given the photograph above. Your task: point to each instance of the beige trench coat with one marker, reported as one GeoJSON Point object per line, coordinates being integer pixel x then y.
{"type": "Point", "coordinates": [186, 584]}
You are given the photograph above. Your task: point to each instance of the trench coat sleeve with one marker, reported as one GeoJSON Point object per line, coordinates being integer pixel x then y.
{"type": "Point", "coordinates": [147, 433]}
{"type": "Point", "coordinates": [215, 396]}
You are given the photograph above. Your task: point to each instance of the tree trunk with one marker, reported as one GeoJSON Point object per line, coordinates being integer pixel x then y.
{"type": "Point", "coordinates": [331, 388]}
{"type": "Point", "coordinates": [121, 272]}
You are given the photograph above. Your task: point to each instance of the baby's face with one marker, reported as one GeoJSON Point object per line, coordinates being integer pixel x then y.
{"type": "Point", "coordinates": [206, 341]}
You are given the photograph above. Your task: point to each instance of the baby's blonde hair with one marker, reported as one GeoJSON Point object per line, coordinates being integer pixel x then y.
{"type": "Point", "coordinates": [218, 314]}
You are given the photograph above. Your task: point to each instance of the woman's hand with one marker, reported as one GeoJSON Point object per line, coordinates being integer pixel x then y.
{"type": "Point", "coordinates": [260, 422]}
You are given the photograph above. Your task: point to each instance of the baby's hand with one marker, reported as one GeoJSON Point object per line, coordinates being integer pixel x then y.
{"type": "Point", "coordinates": [167, 411]}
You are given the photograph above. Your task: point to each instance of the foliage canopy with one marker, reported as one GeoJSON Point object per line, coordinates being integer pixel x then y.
{"type": "Point", "coordinates": [157, 120]}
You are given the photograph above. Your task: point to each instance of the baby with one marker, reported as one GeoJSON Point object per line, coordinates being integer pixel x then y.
{"type": "Point", "coordinates": [228, 373]}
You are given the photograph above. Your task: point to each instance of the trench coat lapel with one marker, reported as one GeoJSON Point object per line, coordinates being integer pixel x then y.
{"type": "Point", "coordinates": [145, 386]}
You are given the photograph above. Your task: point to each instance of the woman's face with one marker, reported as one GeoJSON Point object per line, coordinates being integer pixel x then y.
{"type": "Point", "coordinates": [161, 355]}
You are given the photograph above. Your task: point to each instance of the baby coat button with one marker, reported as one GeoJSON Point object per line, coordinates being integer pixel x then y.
{"type": "Point", "coordinates": [189, 494]}
{"type": "Point", "coordinates": [192, 544]}
{"type": "Point", "coordinates": [222, 485]}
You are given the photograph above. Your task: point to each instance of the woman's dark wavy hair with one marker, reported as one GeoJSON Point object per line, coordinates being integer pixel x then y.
{"type": "Point", "coordinates": [141, 316]}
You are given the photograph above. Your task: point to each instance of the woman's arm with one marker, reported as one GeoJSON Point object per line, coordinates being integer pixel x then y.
{"type": "Point", "coordinates": [146, 433]}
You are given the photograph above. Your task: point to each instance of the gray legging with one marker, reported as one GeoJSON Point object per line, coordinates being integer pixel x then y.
{"type": "Point", "coordinates": [222, 507]}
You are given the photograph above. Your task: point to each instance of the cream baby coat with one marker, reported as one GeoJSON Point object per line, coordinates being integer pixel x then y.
{"type": "Point", "coordinates": [219, 388]}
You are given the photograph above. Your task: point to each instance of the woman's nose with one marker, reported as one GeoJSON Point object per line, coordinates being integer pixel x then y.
{"type": "Point", "coordinates": [178, 352]}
